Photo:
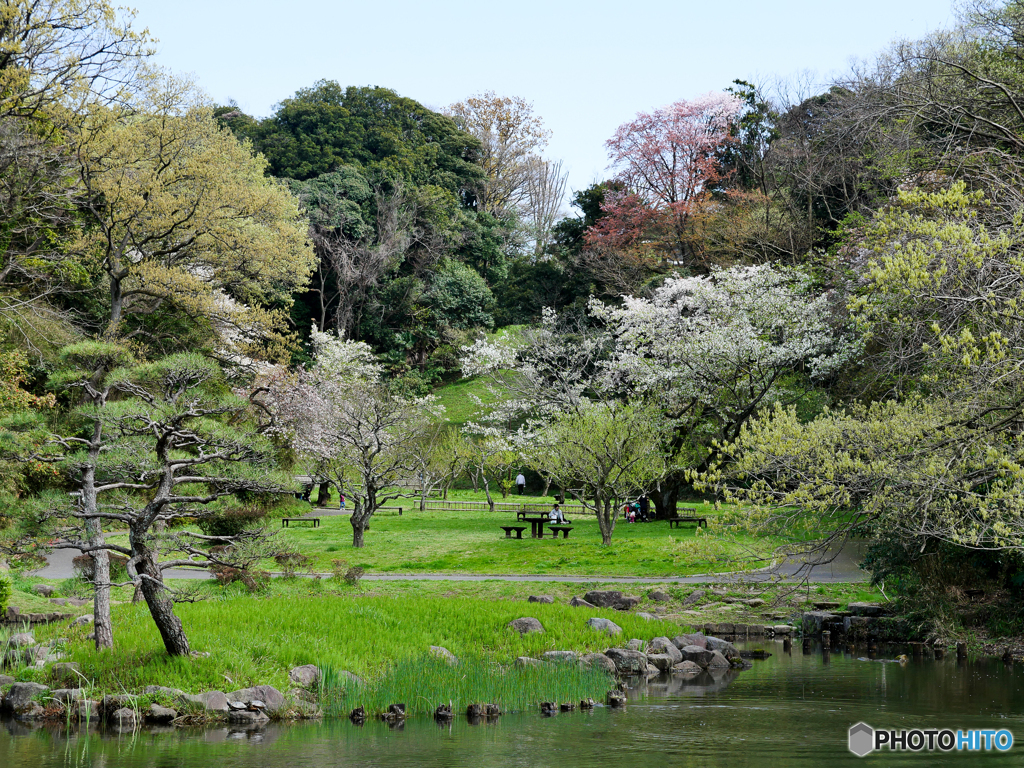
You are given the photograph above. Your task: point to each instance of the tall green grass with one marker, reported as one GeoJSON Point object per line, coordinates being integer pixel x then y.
{"type": "Point", "coordinates": [425, 682]}
{"type": "Point", "coordinates": [252, 640]}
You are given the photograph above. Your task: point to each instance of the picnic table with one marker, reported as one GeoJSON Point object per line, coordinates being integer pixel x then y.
{"type": "Point", "coordinates": [536, 524]}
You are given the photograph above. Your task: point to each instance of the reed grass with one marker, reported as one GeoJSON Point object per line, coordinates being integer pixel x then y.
{"type": "Point", "coordinates": [423, 683]}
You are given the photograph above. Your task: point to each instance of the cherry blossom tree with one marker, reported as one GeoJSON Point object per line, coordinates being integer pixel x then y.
{"type": "Point", "coordinates": [347, 424]}
{"type": "Point", "coordinates": [667, 161]}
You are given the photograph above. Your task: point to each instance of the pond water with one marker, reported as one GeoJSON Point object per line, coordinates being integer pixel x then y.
{"type": "Point", "coordinates": [792, 709]}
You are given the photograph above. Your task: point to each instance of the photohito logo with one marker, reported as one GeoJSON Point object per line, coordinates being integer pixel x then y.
{"type": "Point", "coordinates": [863, 740]}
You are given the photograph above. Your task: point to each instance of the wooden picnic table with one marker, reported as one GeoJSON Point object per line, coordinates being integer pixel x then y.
{"type": "Point", "coordinates": [536, 524]}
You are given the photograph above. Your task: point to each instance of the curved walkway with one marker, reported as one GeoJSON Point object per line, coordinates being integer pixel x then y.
{"type": "Point", "coordinates": [831, 568]}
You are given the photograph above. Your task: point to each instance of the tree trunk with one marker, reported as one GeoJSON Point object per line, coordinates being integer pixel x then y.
{"type": "Point", "coordinates": [605, 518]}
{"type": "Point", "coordinates": [358, 528]}
{"type": "Point", "coordinates": [547, 485]}
{"type": "Point", "coordinates": [665, 500]}
{"type": "Point", "coordinates": [423, 496]}
{"type": "Point", "coordinates": [323, 494]}
{"type": "Point", "coordinates": [487, 493]}
{"type": "Point", "coordinates": [161, 607]}
{"type": "Point", "coordinates": [102, 625]}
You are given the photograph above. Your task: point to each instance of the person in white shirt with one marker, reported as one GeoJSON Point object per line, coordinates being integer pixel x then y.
{"type": "Point", "coordinates": [521, 483]}
{"type": "Point", "coordinates": [556, 516]}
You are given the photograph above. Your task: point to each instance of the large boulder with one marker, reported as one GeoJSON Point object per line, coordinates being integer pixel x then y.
{"type": "Point", "coordinates": [696, 654]}
{"type": "Point", "coordinates": [646, 616]}
{"type": "Point", "coordinates": [19, 700]}
{"type": "Point", "coordinates": [627, 662]}
{"type": "Point", "coordinates": [6, 680]}
{"type": "Point", "coordinates": [305, 676]}
{"type": "Point", "coordinates": [694, 597]}
{"type": "Point", "coordinates": [247, 717]}
{"type": "Point", "coordinates": [611, 598]}
{"type": "Point", "coordinates": [681, 641]}
{"type": "Point", "coordinates": [528, 661]}
{"type": "Point", "coordinates": [635, 644]}
{"type": "Point", "coordinates": [659, 596]}
{"type": "Point", "coordinates": [865, 609]}
{"type": "Point", "coordinates": [604, 625]}
{"type": "Point", "coordinates": [45, 590]}
{"type": "Point", "coordinates": [561, 656]}
{"type": "Point", "coordinates": [211, 701]}
{"type": "Point", "coordinates": [666, 646]}
{"type": "Point", "coordinates": [66, 695]}
{"type": "Point", "coordinates": [439, 652]}
{"type": "Point", "coordinates": [124, 718]}
{"type": "Point", "coordinates": [661, 661]}
{"type": "Point", "coordinates": [724, 647]}
{"type": "Point", "coordinates": [21, 640]}
{"type": "Point", "coordinates": [718, 661]}
{"type": "Point", "coordinates": [686, 668]}
{"type": "Point", "coordinates": [526, 625]}
{"type": "Point", "coordinates": [598, 661]}
{"type": "Point", "coordinates": [272, 699]}
{"type": "Point", "coordinates": [158, 714]}
{"type": "Point", "coordinates": [579, 602]}
{"type": "Point", "coordinates": [541, 599]}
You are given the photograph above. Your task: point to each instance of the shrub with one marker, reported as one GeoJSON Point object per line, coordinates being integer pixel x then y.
{"type": "Point", "coordinates": [231, 522]}
{"type": "Point", "coordinates": [6, 589]}
{"type": "Point", "coordinates": [291, 562]}
{"type": "Point", "coordinates": [85, 569]}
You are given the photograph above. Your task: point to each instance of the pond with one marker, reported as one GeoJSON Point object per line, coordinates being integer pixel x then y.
{"type": "Point", "coordinates": [792, 709]}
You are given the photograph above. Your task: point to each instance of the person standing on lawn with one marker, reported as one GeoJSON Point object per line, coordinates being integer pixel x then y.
{"type": "Point", "coordinates": [521, 483]}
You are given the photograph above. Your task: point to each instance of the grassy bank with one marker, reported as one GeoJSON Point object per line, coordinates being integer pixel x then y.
{"type": "Point", "coordinates": [253, 640]}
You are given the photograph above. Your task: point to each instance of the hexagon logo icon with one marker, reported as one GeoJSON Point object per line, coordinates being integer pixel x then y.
{"type": "Point", "coordinates": [861, 739]}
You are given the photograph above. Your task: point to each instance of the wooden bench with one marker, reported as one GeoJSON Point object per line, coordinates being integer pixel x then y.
{"type": "Point", "coordinates": [314, 520]}
{"type": "Point", "coordinates": [563, 528]}
{"type": "Point", "coordinates": [517, 528]}
{"type": "Point", "coordinates": [675, 522]}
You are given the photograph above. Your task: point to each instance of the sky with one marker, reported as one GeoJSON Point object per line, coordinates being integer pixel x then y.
{"type": "Point", "coordinates": [587, 66]}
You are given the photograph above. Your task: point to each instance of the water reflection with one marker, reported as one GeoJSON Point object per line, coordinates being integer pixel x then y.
{"type": "Point", "coordinates": [791, 709]}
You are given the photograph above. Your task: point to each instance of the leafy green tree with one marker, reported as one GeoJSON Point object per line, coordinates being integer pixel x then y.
{"type": "Point", "coordinates": [460, 297]}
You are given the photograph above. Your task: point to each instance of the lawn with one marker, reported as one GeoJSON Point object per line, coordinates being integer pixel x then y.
{"type": "Point", "coordinates": [473, 543]}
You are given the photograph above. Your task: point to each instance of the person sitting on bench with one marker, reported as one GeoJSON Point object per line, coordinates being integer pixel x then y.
{"type": "Point", "coordinates": [556, 516]}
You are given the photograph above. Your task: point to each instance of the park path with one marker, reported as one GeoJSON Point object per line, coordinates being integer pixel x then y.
{"type": "Point", "coordinates": [832, 568]}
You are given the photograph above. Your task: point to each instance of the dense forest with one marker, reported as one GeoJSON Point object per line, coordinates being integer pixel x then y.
{"type": "Point", "coordinates": [807, 307]}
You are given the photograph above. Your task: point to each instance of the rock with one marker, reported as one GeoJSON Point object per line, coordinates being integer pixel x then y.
{"type": "Point", "coordinates": [21, 640]}
{"type": "Point", "coordinates": [661, 661]}
{"type": "Point", "coordinates": [247, 717]}
{"type": "Point", "coordinates": [730, 600]}
{"type": "Point", "coordinates": [865, 609]}
{"type": "Point", "coordinates": [6, 680]}
{"type": "Point", "coordinates": [696, 654]}
{"type": "Point", "coordinates": [155, 690]}
{"type": "Point", "coordinates": [58, 601]}
{"type": "Point", "coordinates": [815, 621]}
{"type": "Point", "coordinates": [615, 699]}
{"type": "Point", "coordinates": [66, 695]}
{"type": "Point", "coordinates": [611, 598]}
{"type": "Point", "coordinates": [687, 668]}
{"type": "Point", "coordinates": [627, 662]}
{"type": "Point", "coordinates": [526, 661]}
{"type": "Point", "coordinates": [782, 629]}
{"type": "Point", "coordinates": [211, 701]}
{"type": "Point", "coordinates": [859, 626]}
{"type": "Point", "coordinates": [724, 647]}
{"type": "Point", "coordinates": [604, 625]}
{"type": "Point", "coordinates": [123, 718]}
{"type": "Point", "coordinates": [67, 673]}
{"type": "Point", "coordinates": [19, 698]}
{"type": "Point", "coordinates": [43, 589]}
{"type": "Point", "coordinates": [271, 698]}
{"type": "Point", "coordinates": [579, 602]}
{"type": "Point", "coordinates": [681, 641]}
{"type": "Point", "coordinates": [158, 714]}
{"type": "Point", "coordinates": [305, 676]}
{"type": "Point", "coordinates": [78, 602]}
{"type": "Point", "coordinates": [443, 653]}
{"type": "Point", "coordinates": [87, 710]}
{"type": "Point", "coordinates": [659, 597]}
{"type": "Point", "coordinates": [81, 621]}
{"type": "Point", "coordinates": [665, 646]}
{"type": "Point", "coordinates": [635, 645]}
{"type": "Point", "coordinates": [598, 661]}
{"type": "Point", "coordinates": [111, 704]}
{"type": "Point", "coordinates": [526, 625]}
{"type": "Point", "coordinates": [647, 616]}
{"type": "Point", "coordinates": [561, 656]}
{"type": "Point", "coordinates": [754, 602]}
{"type": "Point", "coordinates": [540, 599]}
{"type": "Point", "coordinates": [603, 598]}
{"type": "Point", "coordinates": [694, 597]}
{"type": "Point", "coordinates": [718, 661]}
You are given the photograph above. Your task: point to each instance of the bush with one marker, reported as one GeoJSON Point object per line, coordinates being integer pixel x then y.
{"type": "Point", "coordinates": [84, 568]}
{"type": "Point", "coordinates": [6, 590]}
{"type": "Point", "coordinates": [232, 521]}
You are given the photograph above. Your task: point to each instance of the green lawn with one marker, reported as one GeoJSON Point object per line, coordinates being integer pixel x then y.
{"type": "Point", "coordinates": [458, 402]}
{"type": "Point", "coordinates": [473, 543]}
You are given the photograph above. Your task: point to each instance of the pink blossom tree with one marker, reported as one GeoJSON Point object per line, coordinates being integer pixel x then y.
{"type": "Point", "coordinates": [667, 162]}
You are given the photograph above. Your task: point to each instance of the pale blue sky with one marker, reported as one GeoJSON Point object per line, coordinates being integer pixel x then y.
{"type": "Point", "coordinates": [586, 66]}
